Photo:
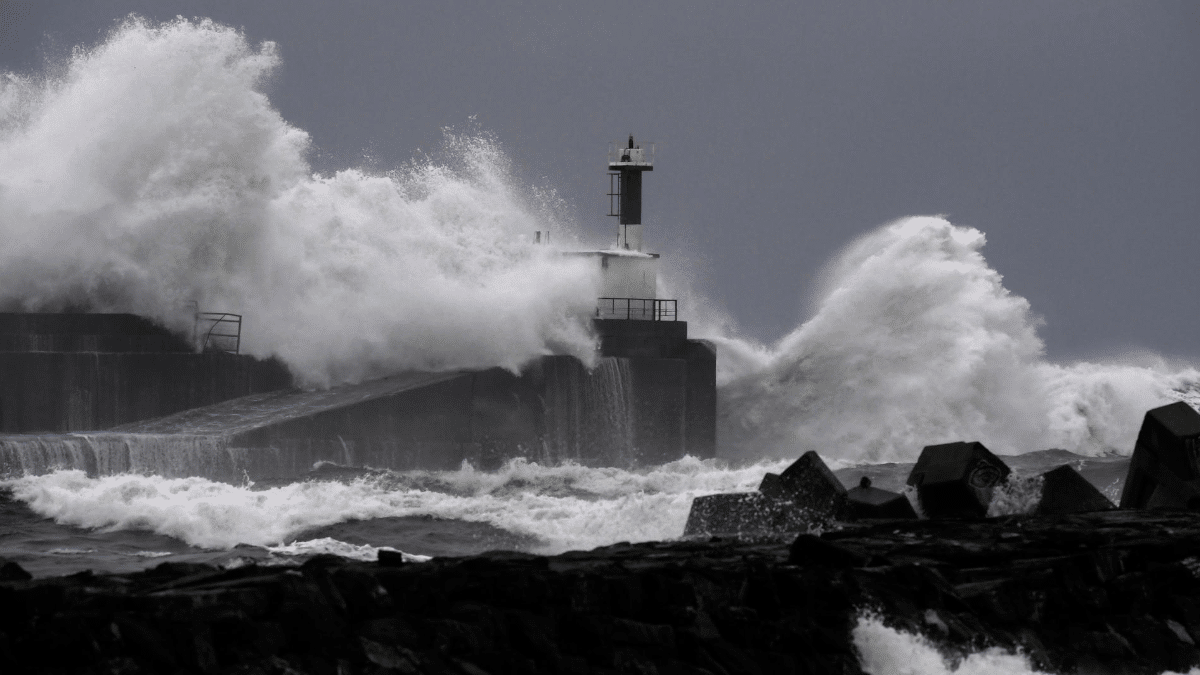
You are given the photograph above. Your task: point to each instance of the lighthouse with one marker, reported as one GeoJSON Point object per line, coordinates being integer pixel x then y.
{"type": "Point", "coordinates": [630, 319]}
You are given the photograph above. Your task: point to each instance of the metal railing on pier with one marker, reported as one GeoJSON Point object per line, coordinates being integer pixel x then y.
{"type": "Point", "coordinates": [640, 309]}
{"type": "Point", "coordinates": [218, 332]}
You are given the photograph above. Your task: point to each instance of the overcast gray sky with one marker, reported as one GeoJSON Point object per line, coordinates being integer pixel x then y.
{"type": "Point", "coordinates": [1069, 132]}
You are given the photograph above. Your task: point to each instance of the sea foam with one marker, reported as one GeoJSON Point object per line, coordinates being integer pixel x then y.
{"type": "Point", "coordinates": [560, 508]}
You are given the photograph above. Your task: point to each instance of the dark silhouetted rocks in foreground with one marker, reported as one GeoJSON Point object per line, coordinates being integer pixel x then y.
{"type": "Point", "coordinates": [1164, 471]}
{"type": "Point", "coordinates": [1113, 592]}
{"type": "Point", "coordinates": [956, 480]}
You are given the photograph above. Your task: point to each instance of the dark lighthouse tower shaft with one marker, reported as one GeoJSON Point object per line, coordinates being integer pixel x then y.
{"type": "Point", "coordinates": [626, 167]}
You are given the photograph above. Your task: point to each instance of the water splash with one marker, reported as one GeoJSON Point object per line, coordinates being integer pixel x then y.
{"type": "Point", "coordinates": [172, 455]}
{"type": "Point", "coordinates": [1017, 495]}
{"type": "Point", "coordinates": [885, 650]}
{"type": "Point", "coordinates": [589, 414]}
{"type": "Point", "coordinates": [915, 341]}
{"type": "Point", "coordinates": [559, 508]}
{"type": "Point", "coordinates": [331, 546]}
{"type": "Point", "coordinates": [151, 170]}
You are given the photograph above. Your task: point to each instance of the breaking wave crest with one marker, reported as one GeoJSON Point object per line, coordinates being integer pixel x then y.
{"type": "Point", "coordinates": [561, 508]}
{"type": "Point", "coordinates": [916, 341]}
{"type": "Point", "coordinates": [151, 171]}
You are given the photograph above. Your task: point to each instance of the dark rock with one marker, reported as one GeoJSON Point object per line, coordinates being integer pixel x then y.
{"type": "Point", "coordinates": [142, 641]}
{"type": "Point", "coordinates": [1163, 472]}
{"type": "Point", "coordinates": [11, 571]}
{"type": "Point", "coordinates": [323, 561]}
{"type": "Point", "coordinates": [808, 549]}
{"type": "Point", "coordinates": [365, 598]}
{"type": "Point", "coordinates": [869, 502]}
{"type": "Point", "coordinates": [746, 513]}
{"type": "Point", "coordinates": [1065, 491]}
{"type": "Point", "coordinates": [955, 480]}
{"type": "Point", "coordinates": [176, 570]}
{"type": "Point", "coordinates": [811, 485]}
{"type": "Point", "coordinates": [390, 558]}
{"type": "Point", "coordinates": [1110, 591]}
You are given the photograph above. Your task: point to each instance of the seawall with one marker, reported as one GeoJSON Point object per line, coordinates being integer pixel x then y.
{"type": "Point", "coordinates": [87, 372]}
{"type": "Point", "coordinates": [626, 411]}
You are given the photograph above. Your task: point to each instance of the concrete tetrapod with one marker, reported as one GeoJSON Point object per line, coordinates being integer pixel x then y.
{"type": "Point", "coordinates": [1163, 472]}
{"type": "Point", "coordinates": [806, 494]}
{"type": "Point", "coordinates": [810, 484]}
{"type": "Point", "coordinates": [871, 502]}
{"type": "Point", "coordinates": [955, 480]}
{"type": "Point", "coordinates": [744, 513]}
{"type": "Point", "coordinates": [1065, 491]}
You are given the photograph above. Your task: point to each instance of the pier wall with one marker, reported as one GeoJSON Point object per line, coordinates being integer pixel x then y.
{"type": "Point", "coordinates": [84, 372]}
{"type": "Point", "coordinates": [83, 391]}
{"type": "Point", "coordinates": [624, 412]}
{"type": "Point", "coordinates": [121, 394]}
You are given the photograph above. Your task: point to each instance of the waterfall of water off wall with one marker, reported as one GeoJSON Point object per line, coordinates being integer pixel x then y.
{"type": "Point", "coordinates": [589, 414]}
{"type": "Point", "coordinates": [169, 455]}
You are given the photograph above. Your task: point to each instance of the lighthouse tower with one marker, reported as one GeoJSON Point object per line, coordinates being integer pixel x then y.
{"type": "Point", "coordinates": [625, 167]}
{"type": "Point", "coordinates": [629, 275]}
{"type": "Point", "coordinates": [631, 320]}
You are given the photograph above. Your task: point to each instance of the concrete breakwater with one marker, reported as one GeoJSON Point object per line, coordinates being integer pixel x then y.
{"type": "Point", "coordinates": [111, 393]}
{"type": "Point", "coordinates": [1112, 592]}
{"type": "Point", "coordinates": [626, 411]}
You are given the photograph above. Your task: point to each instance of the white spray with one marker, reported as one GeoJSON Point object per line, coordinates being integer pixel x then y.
{"type": "Point", "coordinates": [153, 172]}
{"type": "Point", "coordinates": [915, 341]}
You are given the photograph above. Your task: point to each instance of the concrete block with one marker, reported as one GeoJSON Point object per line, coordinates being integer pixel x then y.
{"type": "Point", "coordinates": [810, 484]}
{"type": "Point", "coordinates": [1163, 472]}
{"type": "Point", "coordinates": [742, 513]}
{"type": "Point", "coordinates": [772, 486]}
{"type": "Point", "coordinates": [1065, 491]}
{"type": "Point", "coordinates": [869, 502]}
{"type": "Point", "coordinates": [955, 480]}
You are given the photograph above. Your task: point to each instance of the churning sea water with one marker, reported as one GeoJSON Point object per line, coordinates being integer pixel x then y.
{"type": "Point", "coordinates": [66, 521]}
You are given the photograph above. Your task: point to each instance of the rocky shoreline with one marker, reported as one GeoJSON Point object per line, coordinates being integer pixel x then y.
{"type": "Point", "coordinates": [1110, 592]}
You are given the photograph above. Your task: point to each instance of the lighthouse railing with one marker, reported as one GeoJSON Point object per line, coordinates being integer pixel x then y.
{"type": "Point", "coordinates": [217, 332]}
{"type": "Point", "coordinates": [643, 157]}
{"type": "Point", "coordinates": [637, 309]}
